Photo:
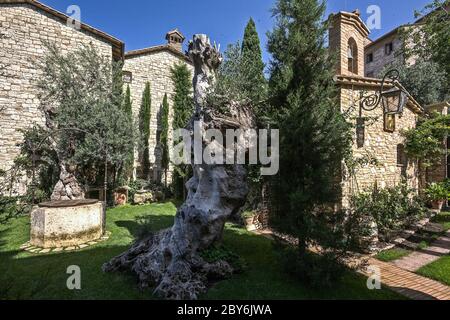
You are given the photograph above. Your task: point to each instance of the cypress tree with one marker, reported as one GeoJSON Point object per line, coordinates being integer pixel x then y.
{"type": "Point", "coordinates": [314, 136]}
{"type": "Point", "coordinates": [127, 103]}
{"type": "Point", "coordinates": [253, 73]}
{"type": "Point", "coordinates": [165, 158]}
{"type": "Point", "coordinates": [183, 106]}
{"type": "Point", "coordinates": [127, 171]}
{"type": "Point", "coordinates": [144, 129]}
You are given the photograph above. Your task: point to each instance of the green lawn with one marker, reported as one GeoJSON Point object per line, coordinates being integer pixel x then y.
{"type": "Point", "coordinates": [392, 254]}
{"type": "Point", "coordinates": [440, 269]}
{"type": "Point", "coordinates": [28, 276]}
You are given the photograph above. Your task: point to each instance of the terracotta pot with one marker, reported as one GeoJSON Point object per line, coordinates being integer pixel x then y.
{"type": "Point", "coordinates": [437, 204]}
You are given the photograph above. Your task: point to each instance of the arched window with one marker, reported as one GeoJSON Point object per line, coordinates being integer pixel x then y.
{"type": "Point", "coordinates": [352, 56]}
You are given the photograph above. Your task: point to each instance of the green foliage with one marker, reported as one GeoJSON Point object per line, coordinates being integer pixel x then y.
{"type": "Point", "coordinates": [144, 129]}
{"type": "Point", "coordinates": [314, 136]}
{"type": "Point", "coordinates": [317, 271]}
{"type": "Point", "coordinates": [392, 254]}
{"type": "Point", "coordinates": [183, 106]}
{"type": "Point", "coordinates": [127, 172]}
{"type": "Point", "coordinates": [222, 253]}
{"type": "Point", "coordinates": [128, 107]}
{"type": "Point", "coordinates": [165, 156]}
{"type": "Point", "coordinates": [81, 91]}
{"type": "Point", "coordinates": [437, 191]}
{"type": "Point", "coordinates": [431, 41]}
{"type": "Point", "coordinates": [392, 209]}
{"type": "Point", "coordinates": [241, 78]}
{"type": "Point", "coordinates": [10, 207]}
{"type": "Point", "coordinates": [254, 82]}
{"type": "Point", "coordinates": [424, 80]}
{"type": "Point", "coordinates": [426, 142]}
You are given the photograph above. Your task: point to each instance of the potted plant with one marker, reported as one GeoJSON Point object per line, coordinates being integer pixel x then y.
{"type": "Point", "coordinates": [437, 193]}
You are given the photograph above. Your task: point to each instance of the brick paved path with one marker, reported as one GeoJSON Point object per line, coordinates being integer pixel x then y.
{"type": "Point", "coordinates": [420, 258]}
{"type": "Point", "coordinates": [401, 281]}
{"type": "Point", "coordinates": [410, 284]}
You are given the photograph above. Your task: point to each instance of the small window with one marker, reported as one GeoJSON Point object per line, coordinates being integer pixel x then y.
{"type": "Point", "coordinates": [127, 77]}
{"type": "Point", "coordinates": [388, 48]}
{"type": "Point", "coordinates": [369, 58]}
{"type": "Point", "coordinates": [370, 74]}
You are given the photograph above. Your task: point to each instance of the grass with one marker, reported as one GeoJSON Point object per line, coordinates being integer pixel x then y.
{"type": "Point", "coordinates": [440, 269]}
{"type": "Point", "coordinates": [392, 254]}
{"type": "Point", "coordinates": [444, 219]}
{"type": "Point", "coordinates": [27, 276]}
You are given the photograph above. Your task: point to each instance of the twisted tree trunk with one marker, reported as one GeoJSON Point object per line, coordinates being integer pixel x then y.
{"type": "Point", "coordinates": [169, 259]}
{"type": "Point", "coordinates": [67, 187]}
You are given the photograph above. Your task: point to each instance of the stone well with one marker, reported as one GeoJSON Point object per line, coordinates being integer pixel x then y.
{"type": "Point", "coordinates": [66, 223]}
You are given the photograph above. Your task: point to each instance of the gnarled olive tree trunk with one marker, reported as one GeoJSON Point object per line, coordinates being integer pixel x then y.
{"type": "Point", "coordinates": [169, 260]}
{"type": "Point", "coordinates": [67, 187]}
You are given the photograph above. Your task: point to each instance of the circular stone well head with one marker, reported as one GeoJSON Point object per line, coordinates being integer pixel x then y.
{"type": "Point", "coordinates": [66, 223]}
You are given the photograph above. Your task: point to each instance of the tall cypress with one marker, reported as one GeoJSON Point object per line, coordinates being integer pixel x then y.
{"type": "Point", "coordinates": [164, 142]}
{"type": "Point", "coordinates": [314, 136]}
{"type": "Point", "coordinates": [128, 108]}
{"type": "Point", "coordinates": [144, 129]}
{"type": "Point", "coordinates": [254, 82]}
{"type": "Point", "coordinates": [183, 104]}
{"type": "Point", "coordinates": [183, 107]}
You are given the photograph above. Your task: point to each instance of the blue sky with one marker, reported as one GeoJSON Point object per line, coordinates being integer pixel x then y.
{"type": "Point", "coordinates": [143, 23]}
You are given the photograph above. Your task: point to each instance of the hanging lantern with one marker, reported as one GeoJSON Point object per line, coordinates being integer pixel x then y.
{"type": "Point", "coordinates": [393, 101]}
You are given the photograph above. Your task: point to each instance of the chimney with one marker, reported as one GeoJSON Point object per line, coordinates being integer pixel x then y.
{"type": "Point", "coordinates": [175, 39]}
{"type": "Point", "coordinates": [347, 37]}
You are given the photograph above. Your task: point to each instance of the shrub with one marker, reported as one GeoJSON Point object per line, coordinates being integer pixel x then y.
{"type": "Point", "coordinates": [315, 270]}
{"type": "Point", "coordinates": [11, 207]}
{"type": "Point", "coordinates": [221, 253]}
{"type": "Point", "coordinates": [392, 209]}
{"type": "Point", "coordinates": [437, 191]}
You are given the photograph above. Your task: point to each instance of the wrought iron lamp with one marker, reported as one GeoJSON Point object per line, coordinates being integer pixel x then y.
{"type": "Point", "coordinates": [392, 101]}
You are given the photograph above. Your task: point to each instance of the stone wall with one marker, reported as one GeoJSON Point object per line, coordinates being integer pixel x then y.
{"type": "Point", "coordinates": [154, 68]}
{"type": "Point", "coordinates": [379, 144]}
{"type": "Point", "coordinates": [380, 58]}
{"type": "Point", "coordinates": [23, 28]}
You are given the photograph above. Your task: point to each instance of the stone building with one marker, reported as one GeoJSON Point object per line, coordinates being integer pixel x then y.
{"type": "Point", "coordinates": [378, 135]}
{"type": "Point", "coordinates": [386, 49]}
{"type": "Point", "coordinates": [154, 65]}
{"type": "Point", "coordinates": [25, 25]}
{"type": "Point", "coordinates": [382, 52]}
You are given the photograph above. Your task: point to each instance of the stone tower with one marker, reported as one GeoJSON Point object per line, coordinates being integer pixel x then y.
{"type": "Point", "coordinates": [347, 39]}
{"type": "Point", "coordinates": [175, 39]}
